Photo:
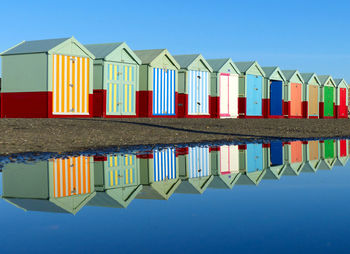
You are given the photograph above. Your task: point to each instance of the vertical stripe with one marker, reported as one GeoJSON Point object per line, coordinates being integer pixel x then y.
{"type": "Point", "coordinates": [126, 177]}
{"type": "Point", "coordinates": [74, 82]}
{"type": "Point", "coordinates": [71, 165]}
{"type": "Point", "coordinates": [78, 84]}
{"type": "Point", "coordinates": [116, 177]}
{"type": "Point", "coordinates": [56, 164]}
{"type": "Point", "coordinates": [130, 98]}
{"type": "Point", "coordinates": [87, 85]}
{"type": "Point", "coordinates": [79, 169]}
{"type": "Point", "coordinates": [115, 72]}
{"type": "Point", "coordinates": [63, 172]}
{"type": "Point", "coordinates": [131, 176]}
{"type": "Point", "coordinates": [83, 84]}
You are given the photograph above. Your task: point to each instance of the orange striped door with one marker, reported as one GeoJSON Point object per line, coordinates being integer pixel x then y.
{"type": "Point", "coordinates": [71, 176]}
{"type": "Point", "coordinates": [70, 85]}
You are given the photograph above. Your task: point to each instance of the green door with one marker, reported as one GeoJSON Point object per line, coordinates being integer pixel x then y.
{"type": "Point", "coordinates": [121, 89]}
{"type": "Point", "coordinates": [329, 149]}
{"type": "Point", "coordinates": [328, 101]}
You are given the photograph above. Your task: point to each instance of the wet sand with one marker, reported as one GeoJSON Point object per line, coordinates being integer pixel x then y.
{"type": "Point", "coordinates": [69, 135]}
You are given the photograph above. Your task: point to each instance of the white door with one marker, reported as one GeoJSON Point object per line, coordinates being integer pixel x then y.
{"type": "Point", "coordinates": [229, 162]}
{"type": "Point", "coordinates": [224, 95]}
{"type": "Point", "coordinates": [233, 95]}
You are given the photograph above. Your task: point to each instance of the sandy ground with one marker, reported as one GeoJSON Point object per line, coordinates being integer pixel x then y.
{"type": "Point", "coordinates": [68, 135]}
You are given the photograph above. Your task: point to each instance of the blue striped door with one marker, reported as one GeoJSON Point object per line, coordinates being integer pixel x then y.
{"type": "Point", "coordinates": [163, 91]}
{"type": "Point", "coordinates": [198, 92]}
{"type": "Point", "coordinates": [198, 162]}
{"type": "Point", "coordinates": [276, 98]}
{"type": "Point", "coordinates": [276, 150]}
{"type": "Point", "coordinates": [164, 165]}
{"type": "Point", "coordinates": [121, 89]}
{"type": "Point", "coordinates": [254, 95]}
{"type": "Point", "coordinates": [254, 157]}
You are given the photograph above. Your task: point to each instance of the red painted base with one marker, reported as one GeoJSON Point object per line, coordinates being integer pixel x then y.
{"type": "Point", "coordinates": [305, 109]}
{"type": "Point", "coordinates": [341, 112]}
{"type": "Point", "coordinates": [214, 106]}
{"type": "Point", "coordinates": [33, 105]}
{"type": "Point", "coordinates": [266, 108]}
{"type": "Point", "coordinates": [183, 107]}
{"type": "Point", "coordinates": [242, 107]}
{"type": "Point", "coordinates": [313, 117]}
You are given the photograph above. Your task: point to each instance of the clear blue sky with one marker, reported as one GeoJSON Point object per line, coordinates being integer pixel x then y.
{"type": "Point", "coordinates": [303, 35]}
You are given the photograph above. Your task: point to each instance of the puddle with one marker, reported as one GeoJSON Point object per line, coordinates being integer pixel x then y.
{"type": "Point", "coordinates": [68, 183]}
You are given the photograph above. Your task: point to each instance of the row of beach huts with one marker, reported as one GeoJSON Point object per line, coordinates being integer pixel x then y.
{"type": "Point", "coordinates": [63, 78]}
{"type": "Point", "coordinates": [68, 184]}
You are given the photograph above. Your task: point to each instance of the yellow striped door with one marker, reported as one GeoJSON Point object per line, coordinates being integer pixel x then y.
{"type": "Point", "coordinates": [70, 85]}
{"type": "Point", "coordinates": [120, 170]}
{"type": "Point", "coordinates": [71, 176]}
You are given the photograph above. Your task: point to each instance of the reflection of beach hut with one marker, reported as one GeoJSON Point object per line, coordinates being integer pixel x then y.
{"type": "Point", "coordinates": [253, 161]}
{"type": "Point", "coordinates": [311, 95]}
{"type": "Point", "coordinates": [327, 98]}
{"type": "Point", "coordinates": [328, 156]}
{"type": "Point", "coordinates": [59, 185]}
{"type": "Point", "coordinates": [341, 105]}
{"type": "Point", "coordinates": [47, 78]}
{"type": "Point", "coordinates": [194, 86]}
{"type": "Point", "coordinates": [116, 79]}
{"type": "Point", "coordinates": [194, 170]}
{"type": "Point", "coordinates": [250, 92]}
{"type": "Point", "coordinates": [311, 156]}
{"type": "Point", "coordinates": [224, 166]}
{"type": "Point", "coordinates": [294, 94]}
{"type": "Point", "coordinates": [159, 174]}
{"type": "Point", "coordinates": [342, 152]}
{"type": "Point", "coordinates": [276, 167]}
{"type": "Point", "coordinates": [293, 157]}
{"type": "Point", "coordinates": [158, 84]}
{"type": "Point", "coordinates": [224, 88]}
{"type": "Point", "coordinates": [117, 180]}
{"type": "Point", "coordinates": [273, 98]}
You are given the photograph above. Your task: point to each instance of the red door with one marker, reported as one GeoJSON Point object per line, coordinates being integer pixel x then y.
{"type": "Point", "coordinates": [342, 103]}
{"type": "Point", "coordinates": [343, 152]}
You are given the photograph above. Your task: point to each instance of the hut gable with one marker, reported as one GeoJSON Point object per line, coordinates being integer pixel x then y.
{"type": "Point", "coordinates": [251, 67]}
{"type": "Point", "coordinates": [157, 58]}
{"type": "Point", "coordinates": [193, 62]}
{"type": "Point", "coordinates": [225, 181]}
{"type": "Point", "coordinates": [326, 80]}
{"type": "Point", "coordinates": [224, 65]}
{"type": "Point", "coordinates": [159, 190]}
{"type": "Point", "coordinates": [71, 47]}
{"type": "Point", "coordinates": [341, 83]}
{"type": "Point", "coordinates": [195, 185]}
{"type": "Point", "coordinates": [311, 79]}
{"type": "Point", "coordinates": [293, 76]}
{"type": "Point", "coordinates": [274, 73]}
{"type": "Point", "coordinates": [114, 52]}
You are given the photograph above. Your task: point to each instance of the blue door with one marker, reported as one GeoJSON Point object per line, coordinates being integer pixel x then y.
{"type": "Point", "coordinates": [276, 150]}
{"type": "Point", "coordinates": [276, 98]}
{"type": "Point", "coordinates": [254, 157]}
{"type": "Point", "coordinates": [254, 95]}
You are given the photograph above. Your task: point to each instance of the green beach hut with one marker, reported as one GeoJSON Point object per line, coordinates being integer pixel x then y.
{"type": "Point", "coordinates": [327, 96]}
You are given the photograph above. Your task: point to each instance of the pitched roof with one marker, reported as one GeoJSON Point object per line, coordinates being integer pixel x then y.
{"type": "Point", "coordinates": [323, 78]}
{"type": "Point", "coordinates": [148, 55]}
{"type": "Point", "coordinates": [217, 64]}
{"type": "Point", "coordinates": [186, 60]}
{"type": "Point", "coordinates": [102, 50]}
{"type": "Point", "coordinates": [244, 66]}
{"type": "Point", "coordinates": [338, 81]}
{"type": "Point", "coordinates": [289, 73]}
{"type": "Point", "coordinates": [269, 70]}
{"type": "Point", "coordinates": [307, 76]}
{"type": "Point", "coordinates": [38, 46]}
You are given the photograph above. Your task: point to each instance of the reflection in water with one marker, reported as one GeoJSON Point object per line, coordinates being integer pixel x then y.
{"type": "Point", "coordinates": [67, 185]}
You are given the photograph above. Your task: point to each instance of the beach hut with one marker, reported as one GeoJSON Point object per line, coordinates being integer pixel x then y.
{"type": "Point", "coordinates": [117, 180]}
{"type": "Point", "coordinates": [194, 170]}
{"type": "Point", "coordinates": [158, 87]}
{"type": "Point", "coordinates": [47, 78]}
{"type": "Point", "coordinates": [311, 95]}
{"type": "Point", "coordinates": [273, 99]}
{"type": "Point", "coordinates": [342, 152]}
{"type": "Point", "coordinates": [341, 105]}
{"type": "Point", "coordinates": [116, 80]}
{"type": "Point", "coordinates": [253, 161]}
{"type": "Point", "coordinates": [224, 166]}
{"type": "Point", "coordinates": [293, 158]}
{"type": "Point", "coordinates": [276, 167]}
{"type": "Point", "coordinates": [328, 154]}
{"type": "Point", "coordinates": [223, 99]}
{"type": "Point", "coordinates": [159, 174]}
{"type": "Point", "coordinates": [327, 98]}
{"type": "Point", "coordinates": [293, 94]}
{"type": "Point", "coordinates": [251, 90]}
{"type": "Point", "coordinates": [58, 185]}
{"type": "Point", "coordinates": [311, 156]}
{"type": "Point", "coordinates": [194, 86]}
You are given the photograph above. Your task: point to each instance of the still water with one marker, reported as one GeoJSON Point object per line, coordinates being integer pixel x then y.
{"type": "Point", "coordinates": [276, 197]}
